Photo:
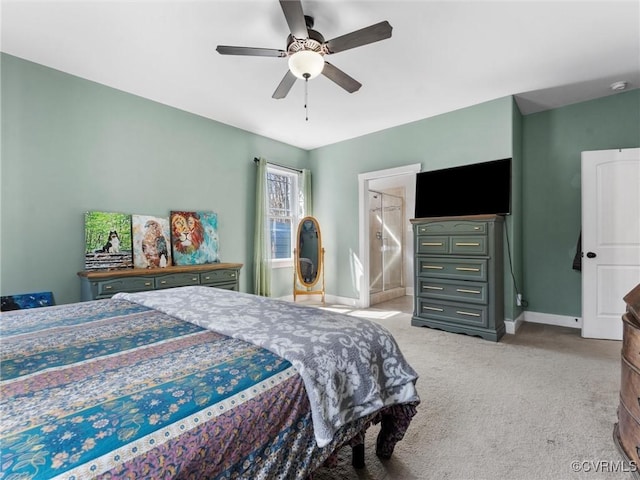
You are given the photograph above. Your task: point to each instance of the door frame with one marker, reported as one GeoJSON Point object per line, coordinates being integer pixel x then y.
{"type": "Point", "coordinates": [363, 220]}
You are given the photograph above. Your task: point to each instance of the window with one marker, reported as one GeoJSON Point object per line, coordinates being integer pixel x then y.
{"type": "Point", "coordinates": [285, 207]}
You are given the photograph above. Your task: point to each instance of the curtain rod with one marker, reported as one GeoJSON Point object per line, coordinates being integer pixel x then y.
{"type": "Point", "coordinates": [256, 160]}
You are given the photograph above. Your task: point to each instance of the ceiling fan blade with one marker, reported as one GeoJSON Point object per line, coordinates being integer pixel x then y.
{"type": "Point", "coordinates": [256, 52]}
{"type": "Point", "coordinates": [285, 85]}
{"type": "Point", "coordinates": [364, 36]}
{"type": "Point", "coordinates": [338, 76]}
{"type": "Point", "coordinates": [294, 15]}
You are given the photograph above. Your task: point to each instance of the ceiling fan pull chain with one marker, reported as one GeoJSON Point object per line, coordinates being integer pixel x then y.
{"type": "Point", "coordinates": [306, 98]}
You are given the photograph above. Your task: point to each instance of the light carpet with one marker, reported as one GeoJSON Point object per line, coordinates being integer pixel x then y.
{"type": "Point", "coordinates": [537, 405]}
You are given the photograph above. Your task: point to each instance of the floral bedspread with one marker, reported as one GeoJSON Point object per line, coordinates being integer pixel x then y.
{"type": "Point", "coordinates": [111, 389]}
{"type": "Point", "coordinates": [114, 389]}
{"type": "Point", "coordinates": [351, 367]}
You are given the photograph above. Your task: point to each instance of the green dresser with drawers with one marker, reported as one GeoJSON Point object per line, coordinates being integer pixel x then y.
{"type": "Point", "coordinates": [458, 275]}
{"type": "Point", "coordinates": [97, 284]}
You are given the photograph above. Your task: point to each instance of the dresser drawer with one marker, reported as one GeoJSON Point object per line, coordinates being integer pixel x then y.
{"type": "Point", "coordinates": [631, 340]}
{"type": "Point", "coordinates": [452, 268]}
{"type": "Point", "coordinates": [629, 431]}
{"type": "Point", "coordinates": [454, 245]}
{"type": "Point", "coordinates": [177, 280]}
{"type": "Point", "coordinates": [133, 284]}
{"type": "Point", "coordinates": [630, 389]}
{"type": "Point", "coordinates": [432, 244]}
{"type": "Point", "coordinates": [451, 227]}
{"type": "Point", "coordinates": [465, 314]}
{"type": "Point", "coordinates": [468, 245]}
{"type": "Point", "coordinates": [218, 276]}
{"type": "Point", "coordinates": [456, 291]}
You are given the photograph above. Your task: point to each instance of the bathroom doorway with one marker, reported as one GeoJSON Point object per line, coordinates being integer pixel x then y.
{"type": "Point", "coordinates": [386, 245]}
{"type": "Point", "coordinates": [401, 182]}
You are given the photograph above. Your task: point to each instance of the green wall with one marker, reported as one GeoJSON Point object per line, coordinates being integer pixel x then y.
{"type": "Point", "coordinates": [552, 143]}
{"type": "Point", "coordinates": [479, 133]}
{"type": "Point", "coordinates": [70, 145]}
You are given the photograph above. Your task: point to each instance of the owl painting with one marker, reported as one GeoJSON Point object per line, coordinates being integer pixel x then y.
{"type": "Point", "coordinates": [151, 245]}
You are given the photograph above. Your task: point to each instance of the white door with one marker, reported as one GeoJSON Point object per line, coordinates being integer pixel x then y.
{"type": "Point", "coordinates": [610, 238]}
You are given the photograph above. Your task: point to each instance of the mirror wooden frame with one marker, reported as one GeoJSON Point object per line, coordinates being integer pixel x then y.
{"type": "Point", "coordinates": [298, 277]}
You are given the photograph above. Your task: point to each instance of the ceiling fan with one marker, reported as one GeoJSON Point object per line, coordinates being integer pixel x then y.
{"type": "Point", "coordinates": [306, 49]}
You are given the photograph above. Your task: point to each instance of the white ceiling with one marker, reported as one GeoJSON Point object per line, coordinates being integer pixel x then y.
{"type": "Point", "coordinates": [442, 56]}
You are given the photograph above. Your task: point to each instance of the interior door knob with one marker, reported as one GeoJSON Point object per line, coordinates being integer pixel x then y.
{"type": "Point", "coordinates": [591, 255]}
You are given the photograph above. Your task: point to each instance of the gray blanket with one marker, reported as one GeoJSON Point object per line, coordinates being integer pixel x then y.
{"type": "Point", "coordinates": [350, 366]}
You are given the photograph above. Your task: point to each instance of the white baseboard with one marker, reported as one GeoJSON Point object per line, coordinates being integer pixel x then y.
{"type": "Point", "coordinates": [552, 319]}
{"type": "Point", "coordinates": [512, 326]}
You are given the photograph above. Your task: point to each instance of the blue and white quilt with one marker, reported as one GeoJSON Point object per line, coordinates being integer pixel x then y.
{"type": "Point", "coordinates": [350, 366]}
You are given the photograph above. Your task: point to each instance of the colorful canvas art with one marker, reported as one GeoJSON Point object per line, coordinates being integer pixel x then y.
{"type": "Point", "coordinates": [151, 241]}
{"type": "Point", "coordinates": [108, 241]}
{"type": "Point", "coordinates": [26, 300]}
{"type": "Point", "coordinates": [194, 237]}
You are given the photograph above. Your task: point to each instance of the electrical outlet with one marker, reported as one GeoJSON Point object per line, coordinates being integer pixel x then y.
{"type": "Point", "coordinates": [519, 300]}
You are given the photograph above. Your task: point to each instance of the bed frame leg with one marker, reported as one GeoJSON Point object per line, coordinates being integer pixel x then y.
{"type": "Point", "coordinates": [357, 456]}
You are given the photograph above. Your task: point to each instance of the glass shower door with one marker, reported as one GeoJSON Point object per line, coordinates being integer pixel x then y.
{"type": "Point", "coordinates": [392, 219]}
{"type": "Point", "coordinates": [375, 242]}
{"type": "Point", "coordinates": [385, 242]}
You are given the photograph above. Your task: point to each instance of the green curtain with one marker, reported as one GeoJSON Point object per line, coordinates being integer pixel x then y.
{"type": "Point", "coordinates": [306, 192]}
{"type": "Point", "coordinates": [262, 253]}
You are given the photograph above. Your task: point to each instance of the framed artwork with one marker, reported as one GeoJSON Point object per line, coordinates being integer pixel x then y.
{"type": "Point", "coordinates": [151, 241]}
{"type": "Point", "coordinates": [107, 241]}
{"type": "Point", "coordinates": [194, 237]}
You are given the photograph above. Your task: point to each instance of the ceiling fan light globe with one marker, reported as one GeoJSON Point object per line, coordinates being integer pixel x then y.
{"type": "Point", "coordinates": [306, 64]}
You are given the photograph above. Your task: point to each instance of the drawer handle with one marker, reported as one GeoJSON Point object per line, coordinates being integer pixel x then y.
{"type": "Point", "coordinates": [432, 244]}
{"type": "Point", "coordinates": [464, 290]}
{"type": "Point", "coordinates": [467, 269]}
{"type": "Point", "coordinates": [433, 308]}
{"type": "Point", "coordinates": [476, 228]}
{"type": "Point", "coordinates": [147, 284]}
{"type": "Point", "coordinates": [233, 274]}
{"type": "Point", "coordinates": [207, 278]}
{"type": "Point", "coordinates": [467, 244]}
{"type": "Point", "coordinates": [108, 287]}
{"type": "Point", "coordinates": [194, 279]}
{"type": "Point", "coordinates": [432, 267]}
{"type": "Point", "coordinates": [163, 282]}
{"type": "Point", "coordinates": [429, 287]}
{"type": "Point", "coordinates": [469, 314]}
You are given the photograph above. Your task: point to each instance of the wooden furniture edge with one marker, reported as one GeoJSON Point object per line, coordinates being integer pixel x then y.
{"type": "Point", "coordinates": [465, 217]}
{"type": "Point", "coordinates": [632, 299]}
{"type": "Point", "coordinates": [133, 272]}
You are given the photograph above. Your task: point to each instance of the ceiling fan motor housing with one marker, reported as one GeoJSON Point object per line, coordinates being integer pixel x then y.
{"type": "Point", "coordinates": [314, 42]}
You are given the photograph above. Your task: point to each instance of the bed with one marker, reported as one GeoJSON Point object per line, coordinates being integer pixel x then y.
{"type": "Point", "coordinates": [194, 382]}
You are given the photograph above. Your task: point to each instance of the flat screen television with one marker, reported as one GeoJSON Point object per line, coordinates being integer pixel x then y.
{"type": "Point", "coordinates": [476, 189]}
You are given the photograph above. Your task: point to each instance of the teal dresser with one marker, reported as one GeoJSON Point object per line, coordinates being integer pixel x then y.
{"type": "Point", "coordinates": [458, 275]}
{"type": "Point", "coordinates": [97, 284]}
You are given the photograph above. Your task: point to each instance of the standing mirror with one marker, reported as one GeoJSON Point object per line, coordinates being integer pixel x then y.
{"type": "Point", "coordinates": [309, 258]}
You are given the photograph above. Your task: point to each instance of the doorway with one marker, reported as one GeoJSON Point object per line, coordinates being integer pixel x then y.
{"type": "Point", "coordinates": [610, 238]}
{"type": "Point", "coordinates": [383, 181]}
{"type": "Point", "coordinates": [386, 245]}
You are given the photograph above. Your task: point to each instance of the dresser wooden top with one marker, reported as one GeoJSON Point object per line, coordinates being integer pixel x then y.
{"type": "Point", "coordinates": [134, 272]}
